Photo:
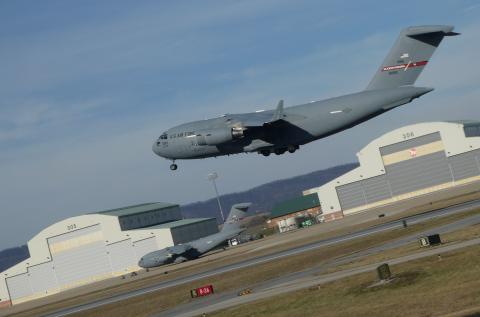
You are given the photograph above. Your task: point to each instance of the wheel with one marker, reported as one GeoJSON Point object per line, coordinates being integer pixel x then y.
{"type": "Point", "coordinates": [292, 149]}
{"type": "Point", "coordinates": [279, 151]}
{"type": "Point", "coordinates": [173, 167]}
{"type": "Point", "coordinates": [265, 152]}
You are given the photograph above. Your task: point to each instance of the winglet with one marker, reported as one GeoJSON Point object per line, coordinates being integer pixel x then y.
{"type": "Point", "coordinates": [278, 112]}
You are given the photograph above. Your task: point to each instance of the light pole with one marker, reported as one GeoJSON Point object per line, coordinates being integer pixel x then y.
{"type": "Point", "coordinates": [212, 177]}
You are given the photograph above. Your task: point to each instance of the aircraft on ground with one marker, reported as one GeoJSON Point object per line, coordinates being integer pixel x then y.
{"type": "Point", "coordinates": [192, 250]}
{"type": "Point", "coordinates": [286, 129]}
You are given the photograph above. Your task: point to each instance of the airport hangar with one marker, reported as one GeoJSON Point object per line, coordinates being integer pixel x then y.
{"type": "Point", "coordinates": [91, 247]}
{"type": "Point", "coordinates": [405, 164]}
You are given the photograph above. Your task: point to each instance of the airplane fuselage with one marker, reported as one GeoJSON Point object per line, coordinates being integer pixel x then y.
{"type": "Point", "coordinates": [299, 125]}
{"type": "Point", "coordinates": [192, 250]}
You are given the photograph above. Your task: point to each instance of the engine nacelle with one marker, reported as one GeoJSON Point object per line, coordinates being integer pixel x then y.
{"type": "Point", "coordinates": [180, 259]}
{"type": "Point", "coordinates": [219, 136]}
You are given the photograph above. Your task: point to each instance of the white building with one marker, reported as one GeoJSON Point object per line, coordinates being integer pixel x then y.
{"type": "Point", "coordinates": [409, 162]}
{"type": "Point", "coordinates": [91, 247]}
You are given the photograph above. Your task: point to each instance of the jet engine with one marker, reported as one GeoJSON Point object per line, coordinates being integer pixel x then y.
{"type": "Point", "coordinates": [180, 259]}
{"type": "Point", "coordinates": [219, 135]}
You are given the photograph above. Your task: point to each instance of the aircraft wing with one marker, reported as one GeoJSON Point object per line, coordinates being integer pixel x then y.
{"type": "Point", "coordinates": [257, 145]}
{"type": "Point", "coordinates": [179, 249]}
{"type": "Point", "coordinates": [262, 118]}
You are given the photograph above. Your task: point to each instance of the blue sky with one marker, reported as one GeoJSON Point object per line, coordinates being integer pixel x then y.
{"type": "Point", "coordinates": [87, 86]}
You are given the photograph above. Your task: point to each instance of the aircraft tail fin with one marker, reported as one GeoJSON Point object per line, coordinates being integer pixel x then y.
{"type": "Point", "coordinates": [409, 55]}
{"type": "Point", "coordinates": [278, 112]}
{"type": "Point", "coordinates": [237, 213]}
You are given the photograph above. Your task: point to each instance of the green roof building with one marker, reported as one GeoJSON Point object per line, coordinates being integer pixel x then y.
{"type": "Point", "coordinates": [144, 215]}
{"type": "Point", "coordinates": [295, 205]}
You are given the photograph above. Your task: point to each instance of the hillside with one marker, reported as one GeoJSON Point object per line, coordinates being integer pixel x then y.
{"type": "Point", "coordinates": [264, 197]}
{"type": "Point", "coordinates": [12, 256]}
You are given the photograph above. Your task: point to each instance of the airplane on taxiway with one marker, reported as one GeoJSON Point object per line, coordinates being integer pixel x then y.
{"type": "Point", "coordinates": [191, 250]}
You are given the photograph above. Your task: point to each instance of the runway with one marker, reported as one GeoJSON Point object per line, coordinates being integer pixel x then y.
{"type": "Point", "coordinates": [306, 278]}
{"type": "Point", "coordinates": [297, 250]}
{"type": "Point", "coordinates": [230, 300]}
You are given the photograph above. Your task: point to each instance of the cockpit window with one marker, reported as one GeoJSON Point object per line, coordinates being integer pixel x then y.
{"type": "Point", "coordinates": [164, 136]}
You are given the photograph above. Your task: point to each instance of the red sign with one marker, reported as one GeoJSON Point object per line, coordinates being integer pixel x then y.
{"type": "Point", "coordinates": [202, 291]}
{"type": "Point", "coordinates": [413, 152]}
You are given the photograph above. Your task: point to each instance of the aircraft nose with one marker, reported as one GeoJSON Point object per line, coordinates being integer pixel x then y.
{"type": "Point", "coordinates": [140, 263]}
{"type": "Point", "coordinates": [156, 148]}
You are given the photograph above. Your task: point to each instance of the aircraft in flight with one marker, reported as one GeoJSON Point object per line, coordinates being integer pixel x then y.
{"type": "Point", "coordinates": [286, 129]}
{"type": "Point", "coordinates": [191, 250]}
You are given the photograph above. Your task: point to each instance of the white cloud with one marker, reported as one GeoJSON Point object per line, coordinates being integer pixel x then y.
{"type": "Point", "coordinates": [25, 121]}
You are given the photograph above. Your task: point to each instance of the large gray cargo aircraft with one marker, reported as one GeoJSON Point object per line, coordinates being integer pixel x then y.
{"type": "Point", "coordinates": [192, 250]}
{"type": "Point", "coordinates": [286, 129]}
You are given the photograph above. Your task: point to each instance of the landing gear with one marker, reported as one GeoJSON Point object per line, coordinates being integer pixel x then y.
{"type": "Point", "coordinates": [174, 166]}
{"type": "Point", "coordinates": [279, 151]}
{"type": "Point", "coordinates": [292, 148]}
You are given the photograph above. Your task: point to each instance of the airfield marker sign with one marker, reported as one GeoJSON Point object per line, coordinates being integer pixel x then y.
{"type": "Point", "coordinates": [202, 291]}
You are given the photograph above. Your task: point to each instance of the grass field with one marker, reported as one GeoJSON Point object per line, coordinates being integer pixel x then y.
{"type": "Point", "coordinates": [428, 287]}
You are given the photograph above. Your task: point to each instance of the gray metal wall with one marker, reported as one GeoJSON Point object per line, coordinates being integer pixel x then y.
{"type": "Point", "coordinates": [410, 175]}
{"type": "Point", "coordinates": [351, 195]}
{"type": "Point", "coordinates": [150, 218]}
{"type": "Point", "coordinates": [376, 188]}
{"type": "Point", "coordinates": [465, 165]}
{"type": "Point", "coordinates": [194, 231]}
{"type": "Point", "coordinates": [417, 173]}
{"type": "Point", "coordinates": [408, 144]}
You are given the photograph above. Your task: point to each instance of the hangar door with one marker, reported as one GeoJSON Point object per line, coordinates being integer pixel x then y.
{"type": "Point", "coordinates": [410, 165]}
{"type": "Point", "coordinates": [39, 280]}
{"type": "Point", "coordinates": [416, 164]}
{"type": "Point", "coordinates": [465, 165]}
{"type": "Point", "coordinates": [144, 246]}
{"type": "Point", "coordinates": [122, 256]}
{"type": "Point", "coordinates": [363, 192]}
{"type": "Point", "coordinates": [19, 286]}
{"type": "Point", "coordinates": [79, 256]}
